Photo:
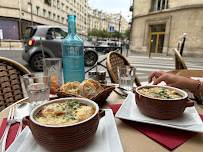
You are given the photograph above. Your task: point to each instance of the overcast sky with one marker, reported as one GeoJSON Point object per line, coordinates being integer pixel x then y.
{"type": "Point", "coordinates": [113, 6]}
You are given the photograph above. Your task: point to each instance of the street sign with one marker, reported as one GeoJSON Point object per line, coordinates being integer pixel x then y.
{"type": "Point", "coordinates": [111, 29]}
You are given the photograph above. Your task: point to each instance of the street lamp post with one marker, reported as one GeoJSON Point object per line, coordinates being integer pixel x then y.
{"type": "Point", "coordinates": [119, 28]}
{"type": "Point", "coordinates": [183, 43]}
{"type": "Point", "coordinates": [31, 13]}
{"type": "Point", "coordinates": [20, 11]}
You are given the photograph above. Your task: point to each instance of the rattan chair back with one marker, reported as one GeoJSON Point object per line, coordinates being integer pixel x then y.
{"type": "Point", "coordinates": [179, 62]}
{"type": "Point", "coordinates": [113, 60]}
{"type": "Point", "coordinates": [10, 84]}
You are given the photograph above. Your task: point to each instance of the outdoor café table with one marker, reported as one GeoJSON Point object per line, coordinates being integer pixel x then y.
{"type": "Point", "coordinates": [134, 141]}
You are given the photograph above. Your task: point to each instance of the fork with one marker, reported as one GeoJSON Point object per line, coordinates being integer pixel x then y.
{"type": "Point", "coordinates": [10, 121]}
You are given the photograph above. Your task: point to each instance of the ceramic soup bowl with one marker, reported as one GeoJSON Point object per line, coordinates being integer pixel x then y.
{"type": "Point", "coordinates": [162, 108]}
{"type": "Point", "coordinates": [65, 137]}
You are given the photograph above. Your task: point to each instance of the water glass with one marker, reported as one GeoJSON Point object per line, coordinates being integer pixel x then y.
{"type": "Point", "coordinates": [37, 87]}
{"type": "Point", "coordinates": [126, 76]}
{"type": "Point", "coordinates": [53, 67]}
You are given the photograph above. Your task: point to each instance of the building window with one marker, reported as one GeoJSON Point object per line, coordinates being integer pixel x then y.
{"type": "Point", "coordinates": [10, 29]}
{"type": "Point", "coordinates": [157, 34]}
{"type": "Point", "coordinates": [54, 17]}
{"type": "Point", "coordinates": [58, 18]}
{"type": "Point", "coordinates": [58, 4]}
{"type": "Point", "coordinates": [62, 20]}
{"type": "Point", "coordinates": [49, 15]}
{"type": "Point", "coordinates": [157, 5]}
{"type": "Point", "coordinates": [62, 7]}
{"type": "Point", "coordinates": [158, 28]}
{"type": "Point", "coordinates": [54, 2]}
{"type": "Point", "coordinates": [38, 10]}
{"type": "Point", "coordinates": [67, 10]}
{"type": "Point", "coordinates": [44, 13]}
{"type": "Point", "coordinates": [48, 2]}
{"type": "Point", "coordinates": [29, 7]}
{"type": "Point", "coordinates": [85, 21]}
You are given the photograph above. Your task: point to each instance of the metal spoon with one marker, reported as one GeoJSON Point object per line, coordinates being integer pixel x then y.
{"type": "Point", "coordinates": [23, 110]}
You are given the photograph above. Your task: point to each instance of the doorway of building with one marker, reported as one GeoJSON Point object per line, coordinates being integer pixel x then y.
{"type": "Point", "coordinates": [156, 41]}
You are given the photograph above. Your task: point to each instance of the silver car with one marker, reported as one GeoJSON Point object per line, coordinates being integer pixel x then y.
{"type": "Point", "coordinates": [51, 39]}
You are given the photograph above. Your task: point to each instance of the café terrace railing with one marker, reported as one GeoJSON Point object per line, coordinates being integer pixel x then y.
{"type": "Point", "coordinates": [99, 63]}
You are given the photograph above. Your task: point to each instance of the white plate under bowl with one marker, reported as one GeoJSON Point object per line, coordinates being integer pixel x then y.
{"type": "Point", "coordinates": [106, 139]}
{"type": "Point", "coordinates": [189, 121]}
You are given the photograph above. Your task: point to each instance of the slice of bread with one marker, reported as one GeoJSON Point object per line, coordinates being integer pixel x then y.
{"type": "Point", "coordinates": [72, 88]}
{"type": "Point", "coordinates": [62, 88]}
{"type": "Point", "coordinates": [87, 89]}
{"type": "Point", "coordinates": [97, 85]}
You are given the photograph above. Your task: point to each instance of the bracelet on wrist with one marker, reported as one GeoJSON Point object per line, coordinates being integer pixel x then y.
{"type": "Point", "coordinates": [198, 86]}
{"type": "Point", "coordinates": [200, 93]}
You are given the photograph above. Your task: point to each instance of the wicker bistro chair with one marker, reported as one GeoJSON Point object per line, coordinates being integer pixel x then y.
{"type": "Point", "coordinates": [179, 62]}
{"type": "Point", "coordinates": [115, 59]}
{"type": "Point", "coordinates": [10, 84]}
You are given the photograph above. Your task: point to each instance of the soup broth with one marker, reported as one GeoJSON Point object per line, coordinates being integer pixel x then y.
{"type": "Point", "coordinates": [159, 92]}
{"type": "Point", "coordinates": [64, 113]}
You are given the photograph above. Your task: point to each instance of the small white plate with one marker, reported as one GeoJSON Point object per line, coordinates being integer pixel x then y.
{"type": "Point", "coordinates": [190, 120]}
{"type": "Point", "coordinates": [106, 139]}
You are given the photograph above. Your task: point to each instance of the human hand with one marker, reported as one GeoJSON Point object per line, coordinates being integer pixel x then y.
{"type": "Point", "coordinates": [169, 79]}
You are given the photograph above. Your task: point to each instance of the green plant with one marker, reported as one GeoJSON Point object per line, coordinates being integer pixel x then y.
{"type": "Point", "coordinates": [127, 34]}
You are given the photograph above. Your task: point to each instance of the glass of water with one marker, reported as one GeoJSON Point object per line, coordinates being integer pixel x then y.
{"type": "Point", "coordinates": [126, 76]}
{"type": "Point", "coordinates": [37, 87]}
{"type": "Point", "coordinates": [53, 67]}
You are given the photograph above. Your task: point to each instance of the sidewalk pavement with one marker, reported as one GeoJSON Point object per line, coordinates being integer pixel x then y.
{"type": "Point", "coordinates": [12, 48]}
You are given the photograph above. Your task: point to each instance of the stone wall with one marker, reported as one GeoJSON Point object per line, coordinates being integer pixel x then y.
{"type": "Point", "coordinates": [11, 44]}
{"type": "Point", "coordinates": [188, 20]}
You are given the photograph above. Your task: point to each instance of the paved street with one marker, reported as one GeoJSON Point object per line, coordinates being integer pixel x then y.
{"type": "Point", "coordinates": [144, 64]}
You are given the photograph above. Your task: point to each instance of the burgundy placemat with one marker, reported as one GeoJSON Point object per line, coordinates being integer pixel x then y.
{"type": "Point", "coordinates": [170, 138]}
{"type": "Point", "coordinates": [12, 132]}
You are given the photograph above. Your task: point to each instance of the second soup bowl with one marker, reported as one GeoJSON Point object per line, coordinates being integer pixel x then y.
{"type": "Point", "coordinates": [162, 108]}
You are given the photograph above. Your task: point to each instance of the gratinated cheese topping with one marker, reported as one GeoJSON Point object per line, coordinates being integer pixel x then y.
{"type": "Point", "coordinates": [63, 113]}
{"type": "Point", "coordinates": [158, 92]}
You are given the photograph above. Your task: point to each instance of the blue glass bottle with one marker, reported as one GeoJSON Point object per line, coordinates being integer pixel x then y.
{"type": "Point", "coordinates": [73, 54]}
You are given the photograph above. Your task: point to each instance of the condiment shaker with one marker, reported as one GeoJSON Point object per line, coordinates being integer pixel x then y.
{"type": "Point", "coordinates": [101, 77]}
{"type": "Point", "coordinates": [92, 74]}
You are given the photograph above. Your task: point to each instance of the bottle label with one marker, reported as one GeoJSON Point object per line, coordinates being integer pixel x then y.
{"type": "Point", "coordinates": [74, 51]}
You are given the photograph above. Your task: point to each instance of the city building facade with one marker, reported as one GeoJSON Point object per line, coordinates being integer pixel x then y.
{"type": "Point", "coordinates": [158, 26]}
{"type": "Point", "coordinates": [16, 15]}
{"type": "Point", "coordinates": [103, 21]}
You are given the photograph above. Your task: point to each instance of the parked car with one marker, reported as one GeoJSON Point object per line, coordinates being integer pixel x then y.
{"type": "Point", "coordinates": [51, 37]}
{"type": "Point", "coordinates": [104, 46]}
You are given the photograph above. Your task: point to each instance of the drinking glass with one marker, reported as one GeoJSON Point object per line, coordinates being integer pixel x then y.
{"type": "Point", "coordinates": [37, 87]}
{"type": "Point", "coordinates": [53, 67]}
{"type": "Point", "coordinates": [126, 76]}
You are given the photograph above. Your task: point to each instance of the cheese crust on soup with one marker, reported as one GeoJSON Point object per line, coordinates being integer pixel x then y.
{"type": "Point", "coordinates": [64, 113]}
{"type": "Point", "coordinates": [159, 92]}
